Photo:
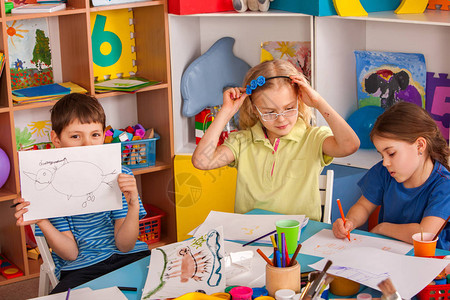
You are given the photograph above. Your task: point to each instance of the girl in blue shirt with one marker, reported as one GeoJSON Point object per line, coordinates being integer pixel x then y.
{"type": "Point", "coordinates": [412, 183]}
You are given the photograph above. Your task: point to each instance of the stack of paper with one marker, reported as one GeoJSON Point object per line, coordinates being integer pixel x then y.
{"type": "Point", "coordinates": [38, 8]}
{"type": "Point", "coordinates": [45, 92]}
{"type": "Point", "coordinates": [128, 84]}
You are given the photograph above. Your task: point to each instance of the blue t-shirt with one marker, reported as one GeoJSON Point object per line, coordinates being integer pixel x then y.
{"type": "Point", "coordinates": [401, 205]}
{"type": "Point", "coordinates": [94, 234]}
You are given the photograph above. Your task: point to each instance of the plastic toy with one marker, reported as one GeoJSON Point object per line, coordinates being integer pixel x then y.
{"type": "Point", "coordinates": [253, 5]}
{"type": "Point", "coordinates": [203, 81]}
{"type": "Point", "coordinates": [362, 121]}
{"type": "Point", "coordinates": [5, 167]}
{"type": "Point", "coordinates": [8, 269]}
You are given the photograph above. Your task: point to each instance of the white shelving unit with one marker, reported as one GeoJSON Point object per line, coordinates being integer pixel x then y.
{"type": "Point", "coordinates": [335, 69]}
{"type": "Point", "coordinates": [333, 39]}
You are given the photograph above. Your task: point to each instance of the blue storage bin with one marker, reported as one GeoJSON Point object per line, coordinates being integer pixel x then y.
{"type": "Point", "coordinates": [140, 153]}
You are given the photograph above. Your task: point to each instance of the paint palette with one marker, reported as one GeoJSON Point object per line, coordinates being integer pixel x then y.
{"type": "Point", "coordinates": [8, 269]}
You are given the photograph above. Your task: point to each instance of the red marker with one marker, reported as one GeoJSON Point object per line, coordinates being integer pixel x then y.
{"type": "Point", "coordinates": [343, 217]}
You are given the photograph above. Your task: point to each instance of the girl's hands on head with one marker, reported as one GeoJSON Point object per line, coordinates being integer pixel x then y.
{"type": "Point", "coordinates": [340, 230]}
{"type": "Point", "coordinates": [233, 99]}
{"type": "Point", "coordinates": [21, 209]}
{"type": "Point", "coordinates": [128, 186]}
{"type": "Point", "coordinates": [308, 95]}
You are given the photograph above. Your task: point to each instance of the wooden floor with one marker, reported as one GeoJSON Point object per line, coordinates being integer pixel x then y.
{"type": "Point", "coordinates": [21, 290]}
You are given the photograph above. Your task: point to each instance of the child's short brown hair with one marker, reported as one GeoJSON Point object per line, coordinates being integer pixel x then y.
{"type": "Point", "coordinates": [74, 106]}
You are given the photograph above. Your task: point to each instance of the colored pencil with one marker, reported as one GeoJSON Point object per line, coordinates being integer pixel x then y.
{"type": "Point", "coordinates": [264, 257]}
{"type": "Point", "coordinates": [442, 227]}
{"type": "Point", "coordinates": [343, 216]}
{"type": "Point", "coordinates": [68, 293]}
{"type": "Point", "coordinates": [278, 259]}
{"type": "Point", "coordinates": [257, 239]}
{"type": "Point", "coordinates": [286, 252]}
{"type": "Point", "coordinates": [272, 238]}
{"type": "Point", "coordinates": [283, 250]}
{"type": "Point", "coordinates": [127, 288]}
{"type": "Point", "coordinates": [294, 257]}
{"type": "Point", "coordinates": [274, 259]}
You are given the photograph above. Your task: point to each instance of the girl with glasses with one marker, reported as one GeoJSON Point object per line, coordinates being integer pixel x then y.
{"type": "Point", "coordinates": [277, 153]}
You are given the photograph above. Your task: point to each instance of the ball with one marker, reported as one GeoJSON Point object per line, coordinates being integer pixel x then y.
{"type": "Point", "coordinates": [5, 167]}
{"type": "Point", "coordinates": [362, 121]}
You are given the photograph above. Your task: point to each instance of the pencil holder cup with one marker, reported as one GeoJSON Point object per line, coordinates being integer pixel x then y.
{"type": "Point", "coordinates": [424, 245]}
{"type": "Point", "coordinates": [283, 278]}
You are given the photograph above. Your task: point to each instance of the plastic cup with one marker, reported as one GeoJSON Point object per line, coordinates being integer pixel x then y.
{"type": "Point", "coordinates": [291, 229]}
{"type": "Point", "coordinates": [425, 247]}
{"type": "Point", "coordinates": [241, 293]}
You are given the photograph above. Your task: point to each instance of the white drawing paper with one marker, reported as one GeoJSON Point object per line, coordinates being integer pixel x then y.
{"type": "Point", "coordinates": [244, 269]}
{"type": "Point", "coordinates": [188, 266]}
{"type": "Point", "coordinates": [70, 181]}
{"type": "Point", "coordinates": [370, 266]}
{"type": "Point", "coordinates": [324, 244]}
{"type": "Point", "coordinates": [240, 227]}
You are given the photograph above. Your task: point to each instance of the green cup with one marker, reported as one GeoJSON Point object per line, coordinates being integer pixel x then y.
{"type": "Point", "coordinates": [291, 231]}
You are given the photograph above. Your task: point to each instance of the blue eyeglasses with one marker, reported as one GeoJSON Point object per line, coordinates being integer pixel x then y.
{"type": "Point", "coordinates": [273, 116]}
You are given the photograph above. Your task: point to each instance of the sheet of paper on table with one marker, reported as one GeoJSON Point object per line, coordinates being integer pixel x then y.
{"type": "Point", "coordinates": [324, 243]}
{"type": "Point", "coordinates": [242, 227]}
{"type": "Point", "coordinates": [370, 266]}
{"type": "Point", "coordinates": [194, 264]}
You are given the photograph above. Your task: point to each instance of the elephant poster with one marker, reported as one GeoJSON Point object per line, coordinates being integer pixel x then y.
{"type": "Point", "coordinates": [385, 78]}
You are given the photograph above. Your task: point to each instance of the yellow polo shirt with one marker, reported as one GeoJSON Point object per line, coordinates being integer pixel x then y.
{"type": "Point", "coordinates": [285, 179]}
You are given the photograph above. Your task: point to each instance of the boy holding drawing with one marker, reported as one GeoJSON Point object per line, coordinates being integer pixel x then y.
{"type": "Point", "coordinates": [89, 245]}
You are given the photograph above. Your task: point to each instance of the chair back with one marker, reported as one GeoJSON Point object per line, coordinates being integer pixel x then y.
{"type": "Point", "coordinates": [47, 277]}
{"type": "Point", "coordinates": [326, 195]}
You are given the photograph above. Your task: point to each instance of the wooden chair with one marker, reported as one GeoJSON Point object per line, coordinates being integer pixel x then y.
{"type": "Point", "coordinates": [326, 195]}
{"type": "Point", "coordinates": [47, 277]}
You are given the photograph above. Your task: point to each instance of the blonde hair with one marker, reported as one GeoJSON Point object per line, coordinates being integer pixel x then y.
{"type": "Point", "coordinates": [277, 67]}
{"type": "Point", "coordinates": [407, 122]}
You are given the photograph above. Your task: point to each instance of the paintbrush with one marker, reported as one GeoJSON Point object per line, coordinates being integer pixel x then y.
{"type": "Point", "coordinates": [311, 277]}
{"type": "Point", "coordinates": [314, 286]}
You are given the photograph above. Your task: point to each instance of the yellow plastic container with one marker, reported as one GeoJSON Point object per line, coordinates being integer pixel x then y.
{"type": "Point", "coordinates": [222, 296]}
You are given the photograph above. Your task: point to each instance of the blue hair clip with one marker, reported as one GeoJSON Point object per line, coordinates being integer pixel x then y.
{"type": "Point", "coordinates": [254, 84]}
{"type": "Point", "coordinates": [260, 81]}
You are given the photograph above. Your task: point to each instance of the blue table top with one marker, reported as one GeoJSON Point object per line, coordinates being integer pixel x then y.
{"type": "Point", "coordinates": [135, 274]}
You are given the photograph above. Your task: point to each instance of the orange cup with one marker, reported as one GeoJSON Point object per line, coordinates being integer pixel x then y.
{"type": "Point", "coordinates": [425, 247]}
